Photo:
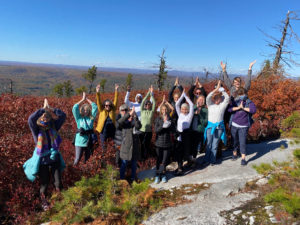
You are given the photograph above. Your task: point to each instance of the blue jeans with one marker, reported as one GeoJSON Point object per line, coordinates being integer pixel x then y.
{"type": "Point", "coordinates": [212, 145]}
{"type": "Point", "coordinates": [239, 135]}
{"type": "Point", "coordinates": [123, 169]}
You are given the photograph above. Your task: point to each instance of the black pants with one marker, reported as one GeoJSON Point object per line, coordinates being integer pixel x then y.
{"type": "Point", "coordinates": [196, 139]}
{"type": "Point", "coordinates": [162, 155]}
{"type": "Point", "coordinates": [145, 140]}
{"type": "Point", "coordinates": [183, 148]}
{"type": "Point", "coordinates": [79, 152]}
{"type": "Point", "coordinates": [45, 172]}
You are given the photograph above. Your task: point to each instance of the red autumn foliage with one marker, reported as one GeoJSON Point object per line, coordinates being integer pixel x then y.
{"type": "Point", "coordinates": [275, 98]}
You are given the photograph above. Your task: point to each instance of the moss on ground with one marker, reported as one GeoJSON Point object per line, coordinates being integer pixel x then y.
{"type": "Point", "coordinates": [105, 200]}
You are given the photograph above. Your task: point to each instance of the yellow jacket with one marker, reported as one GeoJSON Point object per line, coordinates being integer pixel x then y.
{"type": "Point", "coordinates": [103, 113]}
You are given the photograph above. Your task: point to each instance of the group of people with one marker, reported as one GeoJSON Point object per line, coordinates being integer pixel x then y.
{"type": "Point", "coordinates": [186, 124]}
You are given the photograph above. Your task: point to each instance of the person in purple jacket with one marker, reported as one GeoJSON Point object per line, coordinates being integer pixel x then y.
{"type": "Point", "coordinates": [241, 109]}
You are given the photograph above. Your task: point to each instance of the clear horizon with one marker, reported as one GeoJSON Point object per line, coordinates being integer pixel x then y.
{"type": "Point", "coordinates": [131, 34]}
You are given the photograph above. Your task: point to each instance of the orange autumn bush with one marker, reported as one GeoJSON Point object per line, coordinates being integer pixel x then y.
{"type": "Point", "coordinates": [275, 98]}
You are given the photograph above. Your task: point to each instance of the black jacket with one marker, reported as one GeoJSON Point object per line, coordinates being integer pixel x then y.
{"type": "Point", "coordinates": [163, 135]}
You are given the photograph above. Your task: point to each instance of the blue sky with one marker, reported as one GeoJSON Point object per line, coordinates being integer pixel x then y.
{"type": "Point", "coordinates": [122, 33]}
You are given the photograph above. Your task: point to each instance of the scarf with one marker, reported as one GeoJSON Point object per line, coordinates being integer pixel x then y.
{"type": "Point", "coordinates": [32, 165]}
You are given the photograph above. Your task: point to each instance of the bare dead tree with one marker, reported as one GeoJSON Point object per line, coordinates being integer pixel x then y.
{"type": "Point", "coordinates": [283, 53]}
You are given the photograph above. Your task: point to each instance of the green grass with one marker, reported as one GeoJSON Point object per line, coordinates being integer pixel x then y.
{"type": "Point", "coordinates": [263, 168]}
{"type": "Point", "coordinates": [290, 202]}
{"type": "Point", "coordinates": [296, 153]}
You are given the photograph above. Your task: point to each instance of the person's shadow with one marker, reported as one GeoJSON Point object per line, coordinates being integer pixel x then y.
{"type": "Point", "coordinates": [264, 148]}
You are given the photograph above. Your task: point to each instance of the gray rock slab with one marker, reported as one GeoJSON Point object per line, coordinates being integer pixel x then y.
{"type": "Point", "coordinates": [226, 178]}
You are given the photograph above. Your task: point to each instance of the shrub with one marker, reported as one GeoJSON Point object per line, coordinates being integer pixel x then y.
{"type": "Point", "coordinates": [263, 168]}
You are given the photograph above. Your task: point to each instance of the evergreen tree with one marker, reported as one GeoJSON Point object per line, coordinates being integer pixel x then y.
{"type": "Point", "coordinates": [129, 80]}
{"type": "Point", "coordinates": [58, 90]}
{"type": "Point", "coordinates": [68, 88]}
{"type": "Point", "coordinates": [80, 90]}
{"type": "Point", "coordinates": [162, 73]}
{"type": "Point", "coordinates": [90, 76]}
{"type": "Point", "coordinates": [102, 84]}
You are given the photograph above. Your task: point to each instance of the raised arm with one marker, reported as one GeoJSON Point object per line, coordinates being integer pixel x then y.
{"type": "Point", "coordinates": [171, 99]}
{"type": "Point", "coordinates": [144, 99]}
{"type": "Point", "coordinates": [32, 123]}
{"type": "Point", "coordinates": [152, 99]}
{"type": "Point", "coordinates": [116, 96]}
{"type": "Point", "coordinates": [191, 112]}
{"type": "Point", "coordinates": [226, 100]}
{"type": "Point", "coordinates": [248, 79]}
{"type": "Point", "coordinates": [126, 100]}
{"type": "Point", "coordinates": [61, 118]}
{"type": "Point", "coordinates": [98, 98]}
{"type": "Point", "coordinates": [227, 81]}
{"type": "Point", "coordinates": [177, 105]}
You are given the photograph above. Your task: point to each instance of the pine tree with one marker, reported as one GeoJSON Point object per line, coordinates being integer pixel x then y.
{"type": "Point", "coordinates": [90, 76]}
{"type": "Point", "coordinates": [162, 73]}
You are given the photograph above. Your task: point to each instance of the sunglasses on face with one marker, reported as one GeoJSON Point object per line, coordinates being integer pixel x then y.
{"type": "Point", "coordinates": [198, 93]}
{"type": "Point", "coordinates": [148, 104]}
{"type": "Point", "coordinates": [124, 110]}
{"type": "Point", "coordinates": [107, 105]}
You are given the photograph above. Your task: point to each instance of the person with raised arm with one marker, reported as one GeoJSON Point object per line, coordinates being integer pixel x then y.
{"type": "Point", "coordinates": [136, 104]}
{"type": "Point", "coordinates": [241, 109]}
{"type": "Point", "coordinates": [129, 124]}
{"type": "Point", "coordinates": [173, 97]}
{"type": "Point", "coordinates": [84, 118]}
{"type": "Point", "coordinates": [147, 112]}
{"type": "Point", "coordinates": [215, 130]}
{"type": "Point", "coordinates": [198, 126]}
{"type": "Point", "coordinates": [163, 128]}
{"type": "Point", "coordinates": [185, 115]}
{"type": "Point", "coordinates": [46, 160]}
{"type": "Point", "coordinates": [196, 90]}
{"type": "Point", "coordinates": [236, 84]}
{"type": "Point", "coordinates": [107, 116]}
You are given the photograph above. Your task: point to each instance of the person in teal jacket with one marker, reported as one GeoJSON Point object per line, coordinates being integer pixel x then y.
{"type": "Point", "coordinates": [84, 117]}
{"type": "Point", "coordinates": [147, 112]}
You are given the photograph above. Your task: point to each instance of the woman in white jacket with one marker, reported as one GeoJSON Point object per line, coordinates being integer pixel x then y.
{"type": "Point", "coordinates": [215, 129]}
{"type": "Point", "coordinates": [185, 115]}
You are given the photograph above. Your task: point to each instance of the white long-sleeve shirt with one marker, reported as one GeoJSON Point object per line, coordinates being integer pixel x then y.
{"type": "Point", "coordinates": [137, 106]}
{"type": "Point", "coordinates": [184, 121]}
{"type": "Point", "coordinates": [216, 112]}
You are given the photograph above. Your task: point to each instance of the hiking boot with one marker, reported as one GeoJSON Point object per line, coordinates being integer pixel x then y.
{"type": "Point", "coordinates": [164, 179]}
{"type": "Point", "coordinates": [156, 180]}
{"type": "Point", "coordinates": [234, 157]}
{"type": "Point", "coordinates": [243, 162]}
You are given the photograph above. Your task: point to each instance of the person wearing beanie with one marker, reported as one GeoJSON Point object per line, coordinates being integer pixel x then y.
{"type": "Point", "coordinates": [136, 104]}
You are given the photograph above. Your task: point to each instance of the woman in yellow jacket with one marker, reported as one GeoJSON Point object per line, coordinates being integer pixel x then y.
{"type": "Point", "coordinates": [107, 116]}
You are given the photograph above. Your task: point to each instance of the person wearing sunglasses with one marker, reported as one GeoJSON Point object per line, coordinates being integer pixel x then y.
{"type": "Point", "coordinates": [196, 90]}
{"type": "Point", "coordinates": [129, 124]}
{"type": "Point", "coordinates": [107, 116]}
{"type": "Point", "coordinates": [147, 112]}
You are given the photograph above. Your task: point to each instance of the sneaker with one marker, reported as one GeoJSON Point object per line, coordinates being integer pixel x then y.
{"type": "Point", "coordinates": [243, 162]}
{"type": "Point", "coordinates": [234, 157]}
{"type": "Point", "coordinates": [164, 179]}
{"type": "Point", "coordinates": [156, 181]}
